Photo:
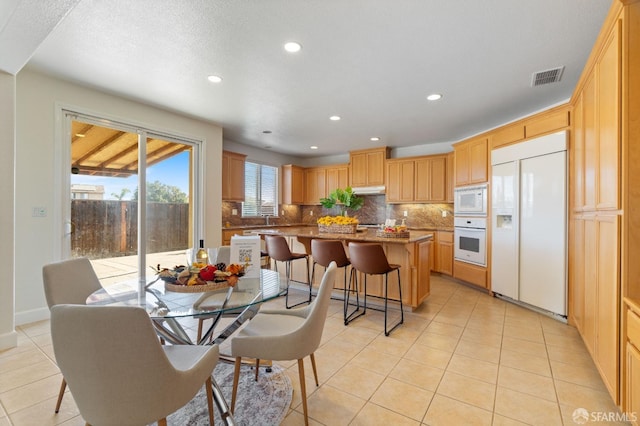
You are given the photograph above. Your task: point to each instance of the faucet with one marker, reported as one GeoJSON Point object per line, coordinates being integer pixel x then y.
{"type": "Point", "coordinates": [266, 217]}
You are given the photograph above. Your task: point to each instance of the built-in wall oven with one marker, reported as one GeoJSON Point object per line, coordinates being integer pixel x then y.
{"type": "Point", "coordinates": [470, 239]}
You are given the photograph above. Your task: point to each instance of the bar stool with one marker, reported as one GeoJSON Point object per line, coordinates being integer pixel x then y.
{"type": "Point", "coordinates": [370, 259]}
{"type": "Point", "coordinates": [278, 250]}
{"type": "Point", "coordinates": [326, 251]}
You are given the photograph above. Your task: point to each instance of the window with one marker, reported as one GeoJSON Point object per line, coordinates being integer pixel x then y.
{"type": "Point", "coordinates": [260, 190]}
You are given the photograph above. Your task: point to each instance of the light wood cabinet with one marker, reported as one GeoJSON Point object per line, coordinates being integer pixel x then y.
{"type": "Point", "coordinates": [473, 274]}
{"type": "Point", "coordinates": [400, 181]}
{"type": "Point", "coordinates": [233, 176]}
{"type": "Point", "coordinates": [450, 177]}
{"type": "Point", "coordinates": [417, 179]}
{"type": "Point", "coordinates": [315, 185]}
{"type": "Point", "coordinates": [228, 233]}
{"type": "Point", "coordinates": [632, 367]}
{"type": "Point", "coordinates": [321, 181]}
{"type": "Point", "coordinates": [444, 252]}
{"type": "Point", "coordinates": [292, 184]}
{"type": "Point", "coordinates": [367, 167]}
{"type": "Point", "coordinates": [337, 177]}
{"type": "Point", "coordinates": [507, 135]}
{"type": "Point", "coordinates": [471, 159]}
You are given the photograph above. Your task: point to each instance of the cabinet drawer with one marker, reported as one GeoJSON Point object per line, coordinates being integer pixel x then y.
{"type": "Point", "coordinates": [633, 328]}
{"type": "Point", "coordinates": [445, 237]}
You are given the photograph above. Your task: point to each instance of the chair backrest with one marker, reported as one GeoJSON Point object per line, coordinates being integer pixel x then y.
{"type": "Point", "coordinates": [310, 333]}
{"type": "Point", "coordinates": [369, 258]}
{"type": "Point", "coordinates": [327, 251]}
{"type": "Point", "coordinates": [69, 281]}
{"type": "Point", "coordinates": [113, 363]}
{"type": "Point", "coordinates": [277, 248]}
{"type": "Point", "coordinates": [224, 255]}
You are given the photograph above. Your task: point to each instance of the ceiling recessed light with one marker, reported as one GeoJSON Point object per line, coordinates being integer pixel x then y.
{"type": "Point", "coordinates": [214, 78]}
{"type": "Point", "coordinates": [266, 132]}
{"type": "Point", "coordinates": [292, 47]}
{"type": "Point", "coordinates": [334, 118]}
{"type": "Point", "coordinates": [434, 97]}
{"type": "Point", "coordinates": [313, 147]}
{"type": "Point", "coordinates": [375, 139]}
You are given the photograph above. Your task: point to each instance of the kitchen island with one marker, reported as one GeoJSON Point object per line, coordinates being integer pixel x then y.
{"type": "Point", "coordinates": [411, 253]}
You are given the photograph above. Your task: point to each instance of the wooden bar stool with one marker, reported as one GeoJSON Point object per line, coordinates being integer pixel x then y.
{"type": "Point", "coordinates": [323, 253]}
{"type": "Point", "coordinates": [278, 250]}
{"type": "Point", "coordinates": [370, 259]}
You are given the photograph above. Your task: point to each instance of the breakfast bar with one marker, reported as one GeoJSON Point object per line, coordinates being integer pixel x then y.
{"type": "Point", "coordinates": [411, 253]}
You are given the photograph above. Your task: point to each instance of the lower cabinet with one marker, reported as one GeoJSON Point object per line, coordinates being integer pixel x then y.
{"type": "Point", "coordinates": [473, 274]}
{"type": "Point", "coordinates": [444, 252]}
{"type": "Point", "coordinates": [632, 367]}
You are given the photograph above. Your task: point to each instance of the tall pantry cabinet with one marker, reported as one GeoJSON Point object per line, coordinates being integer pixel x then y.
{"type": "Point", "coordinates": [604, 232]}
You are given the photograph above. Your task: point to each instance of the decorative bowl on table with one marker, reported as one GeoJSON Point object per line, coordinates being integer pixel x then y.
{"type": "Point", "coordinates": [196, 279]}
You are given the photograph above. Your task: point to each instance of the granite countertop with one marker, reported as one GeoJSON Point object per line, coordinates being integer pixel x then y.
{"type": "Point", "coordinates": [368, 235]}
{"type": "Point", "coordinates": [303, 225]}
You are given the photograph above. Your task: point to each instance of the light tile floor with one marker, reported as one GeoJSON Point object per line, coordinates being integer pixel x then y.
{"type": "Point", "coordinates": [463, 358]}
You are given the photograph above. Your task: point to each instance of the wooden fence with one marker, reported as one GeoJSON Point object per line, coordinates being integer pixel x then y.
{"type": "Point", "coordinates": [104, 228]}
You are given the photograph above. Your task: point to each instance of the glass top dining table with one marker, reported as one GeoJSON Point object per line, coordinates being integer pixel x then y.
{"type": "Point", "coordinates": [164, 306]}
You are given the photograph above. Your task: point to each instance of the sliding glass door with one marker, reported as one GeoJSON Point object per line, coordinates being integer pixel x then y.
{"type": "Point", "coordinates": [131, 205]}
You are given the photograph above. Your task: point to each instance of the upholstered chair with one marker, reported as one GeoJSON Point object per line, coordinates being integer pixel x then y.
{"type": "Point", "coordinates": [282, 335]}
{"type": "Point", "coordinates": [117, 370]}
{"type": "Point", "coordinates": [69, 281]}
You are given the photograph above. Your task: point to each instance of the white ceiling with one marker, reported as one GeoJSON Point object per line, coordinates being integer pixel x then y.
{"type": "Point", "coordinates": [370, 61]}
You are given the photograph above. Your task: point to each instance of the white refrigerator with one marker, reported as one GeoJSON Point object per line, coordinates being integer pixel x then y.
{"type": "Point", "coordinates": [529, 222]}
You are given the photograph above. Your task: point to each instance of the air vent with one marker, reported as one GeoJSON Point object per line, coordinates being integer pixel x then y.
{"type": "Point", "coordinates": [545, 77]}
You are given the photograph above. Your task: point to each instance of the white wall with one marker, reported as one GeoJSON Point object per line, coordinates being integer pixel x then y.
{"type": "Point", "coordinates": [8, 336]}
{"type": "Point", "coordinates": [37, 241]}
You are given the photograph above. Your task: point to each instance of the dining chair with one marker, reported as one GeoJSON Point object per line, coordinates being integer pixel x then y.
{"type": "Point", "coordinates": [69, 281]}
{"type": "Point", "coordinates": [370, 259]}
{"type": "Point", "coordinates": [117, 370]}
{"type": "Point", "coordinates": [283, 335]}
{"type": "Point", "coordinates": [278, 250]}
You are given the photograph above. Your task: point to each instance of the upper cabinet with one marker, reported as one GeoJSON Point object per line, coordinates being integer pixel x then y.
{"type": "Point", "coordinates": [450, 177]}
{"type": "Point", "coordinates": [417, 179]}
{"type": "Point", "coordinates": [292, 184]}
{"type": "Point", "coordinates": [368, 167]}
{"type": "Point", "coordinates": [470, 161]}
{"type": "Point", "coordinates": [233, 176]}
{"type": "Point", "coordinates": [320, 181]}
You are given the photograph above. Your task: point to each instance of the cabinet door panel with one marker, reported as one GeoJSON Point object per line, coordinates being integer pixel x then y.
{"type": "Point", "coordinates": [576, 265]}
{"type": "Point", "coordinates": [590, 282]}
{"type": "Point", "coordinates": [590, 144]}
{"type": "Point", "coordinates": [608, 124]}
{"type": "Point", "coordinates": [358, 170]}
{"type": "Point", "coordinates": [438, 183]}
{"type": "Point", "coordinates": [462, 165]}
{"type": "Point", "coordinates": [375, 168]}
{"type": "Point", "coordinates": [607, 302]}
{"type": "Point", "coordinates": [577, 159]}
{"type": "Point", "coordinates": [478, 161]}
{"type": "Point", "coordinates": [633, 381]}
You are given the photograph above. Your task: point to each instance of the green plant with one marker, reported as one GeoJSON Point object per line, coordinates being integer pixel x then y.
{"type": "Point", "coordinates": [345, 199]}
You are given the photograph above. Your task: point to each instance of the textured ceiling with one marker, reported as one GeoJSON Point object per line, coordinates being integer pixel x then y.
{"type": "Point", "coordinates": [370, 61]}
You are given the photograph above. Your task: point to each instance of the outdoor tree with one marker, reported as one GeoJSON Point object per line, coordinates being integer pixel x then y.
{"type": "Point", "coordinates": [162, 193]}
{"type": "Point", "coordinates": [122, 194]}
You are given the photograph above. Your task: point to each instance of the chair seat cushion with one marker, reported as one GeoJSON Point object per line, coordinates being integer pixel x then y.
{"type": "Point", "coordinates": [268, 336]}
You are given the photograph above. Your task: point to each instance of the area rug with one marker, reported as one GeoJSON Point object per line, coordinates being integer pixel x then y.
{"type": "Point", "coordinates": [262, 403]}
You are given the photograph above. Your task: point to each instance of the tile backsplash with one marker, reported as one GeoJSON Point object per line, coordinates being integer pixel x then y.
{"type": "Point", "coordinates": [374, 211]}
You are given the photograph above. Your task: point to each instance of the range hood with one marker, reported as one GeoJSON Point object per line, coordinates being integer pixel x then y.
{"type": "Point", "coordinates": [364, 190]}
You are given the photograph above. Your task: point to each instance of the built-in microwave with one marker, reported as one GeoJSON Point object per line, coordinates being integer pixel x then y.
{"type": "Point", "coordinates": [470, 201]}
